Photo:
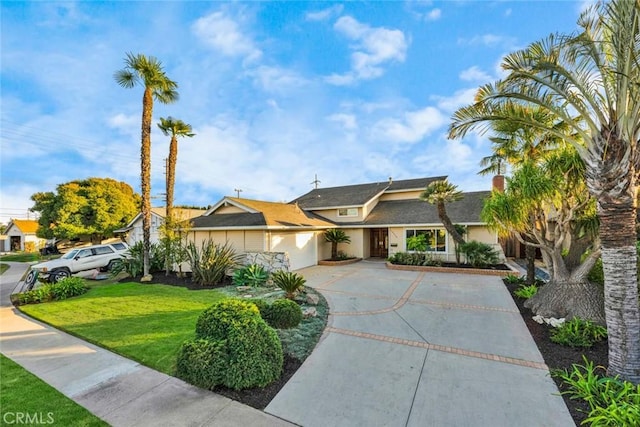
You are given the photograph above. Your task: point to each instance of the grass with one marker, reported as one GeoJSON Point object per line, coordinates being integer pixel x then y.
{"type": "Point", "coordinates": [146, 323]}
{"type": "Point", "coordinates": [24, 395]}
{"type": "Point", "coordinates": [3, 267]}
{"type": "Point", "coordinates": [27, 257]}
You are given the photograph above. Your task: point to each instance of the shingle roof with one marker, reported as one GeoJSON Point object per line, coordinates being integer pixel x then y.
{"type": "Point", "coordinates": [269, 214]}
{"type": "Point", "coordinates": [357, 195]}
{"type": "Point", "coordinates": [27, 226]}
{"type": "Point", "coordinates": [416, 211]}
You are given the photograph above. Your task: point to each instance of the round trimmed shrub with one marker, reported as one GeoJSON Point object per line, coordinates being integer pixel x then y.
{"type": "Point", "coordinates": [201, 362]}
{"type": "Point", "coordinates": [283, 314]}
{"type": "Point", "coordinates": [251, 349]}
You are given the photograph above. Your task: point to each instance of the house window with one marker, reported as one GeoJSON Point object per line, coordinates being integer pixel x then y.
{"type": "Point", "coordinates": [426, 240]}
{"type": "Point", "coordinates": [348, 212]}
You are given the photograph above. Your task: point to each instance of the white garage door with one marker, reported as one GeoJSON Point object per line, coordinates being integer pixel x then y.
{"type": "Point", "coordinates": [300, 246]}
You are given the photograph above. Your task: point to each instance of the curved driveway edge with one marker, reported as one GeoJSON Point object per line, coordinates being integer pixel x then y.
{"type": "Point", "coordinates": [419, 349]}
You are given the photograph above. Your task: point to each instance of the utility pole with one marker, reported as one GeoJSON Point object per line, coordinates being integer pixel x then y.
{"type": "Point", "coordinates": [316, 181]}
{"type": "Point", "coordinates": [238, 191]}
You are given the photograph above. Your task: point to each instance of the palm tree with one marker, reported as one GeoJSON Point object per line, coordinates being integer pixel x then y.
{"type": "Point", "coordinates": [147, 72]}
{"type": "Point", "coordinates": [175, 128]}
{"type": "Point", "coordinates": [438, 193]}
{"type": "Point", "coordinates": [335, 236]}
{"type": "Point", "coordinates": [590, 82]}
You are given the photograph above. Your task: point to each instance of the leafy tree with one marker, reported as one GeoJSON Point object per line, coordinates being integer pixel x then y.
{"type": "Point", "coordinates": [335, 236]}
{"type": "Point", "coordinates": [588, 81]}
{"type": "Point", "coordinates": [175, 128]}
{"type": "Point", "coordinates": [147, 72]}
{"type": "Point", "coordinates": [94, 206]}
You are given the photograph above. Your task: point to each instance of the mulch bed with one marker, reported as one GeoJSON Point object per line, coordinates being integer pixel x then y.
{"type": "Point", "coordinates": [558, 356]}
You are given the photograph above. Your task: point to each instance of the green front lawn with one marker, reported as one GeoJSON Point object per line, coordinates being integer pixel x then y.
{"type": "Point", "coordinates": [27, 257]}
{"type": "Point", "coordinates": [26, 397]}
{"type": "Point", "coordinates": [3, 267]}
{"type": "Point", "coordinates": [147, 323]}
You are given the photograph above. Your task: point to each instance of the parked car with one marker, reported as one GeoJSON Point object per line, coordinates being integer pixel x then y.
{"type": "Point", "coordinates": [101, 257]}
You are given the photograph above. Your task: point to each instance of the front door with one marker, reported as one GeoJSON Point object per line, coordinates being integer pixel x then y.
{"type": "Point", "coordinates": [379, 242]}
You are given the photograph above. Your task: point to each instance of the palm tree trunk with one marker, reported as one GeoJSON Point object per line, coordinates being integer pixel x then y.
{"type": "Point", "coordinates": [448, 225]}
{"type": "Point", "coordinates": [145, 172]}
{"type": "Point", "coordinates": [619, 261]}
{"type": "Point", "coordinates": [171, 181]}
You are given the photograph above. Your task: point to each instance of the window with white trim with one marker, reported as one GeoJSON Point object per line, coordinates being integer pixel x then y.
{"type": "Point", "coordinates": [348, 212]}
{"type": "Point", "coordinates": [426, 240]}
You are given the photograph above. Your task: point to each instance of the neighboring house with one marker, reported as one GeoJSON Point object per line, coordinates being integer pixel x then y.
{"type": "Point", "coordinates": [379, 217]}
{"type": "Point", "coordinates": [132, 232]}
{"type": "Point", "coordinates": [21, 235]}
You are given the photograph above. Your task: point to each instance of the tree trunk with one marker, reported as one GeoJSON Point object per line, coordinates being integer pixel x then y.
{"type": "Point", "coordinates": [619, 261]}
{"type": "Point", "coordinates": [448, 225]}
{"type": "Point", "coordinates": [171, 181]}
{"type": "Point", "coordinates": [145, 175]}
{"type": "Point", "coordinates": [567, 299]}
{"type": "Point", "coordinates": [334, 250]}
{"type": "Point", "coordinates": [530, 254]}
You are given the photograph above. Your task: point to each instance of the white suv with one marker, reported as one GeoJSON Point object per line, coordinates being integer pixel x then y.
{"type": "Point", "coordinates": [81, 259]}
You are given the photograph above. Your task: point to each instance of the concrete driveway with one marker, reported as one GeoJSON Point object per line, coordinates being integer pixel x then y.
{"type": "Point", "coordinates": [407, 348]}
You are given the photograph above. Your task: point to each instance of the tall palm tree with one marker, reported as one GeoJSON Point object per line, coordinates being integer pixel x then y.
{"type": "Point", "coordinates": [439, 193]}
{"type": "Point", "coordinates": [176, 128]}
{"type": "Point", "coordinates": [147, 72]}
{"type": "Point", "coordinates": [590, 81]}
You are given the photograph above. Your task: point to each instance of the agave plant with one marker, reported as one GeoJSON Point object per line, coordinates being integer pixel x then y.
{"type": "Point", "coordinates": [210, 263]}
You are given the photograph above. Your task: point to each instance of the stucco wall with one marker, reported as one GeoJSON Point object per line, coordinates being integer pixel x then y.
{"type": "Point", "coordinates": [332, 215]}
{"type": "Point", "coordinates": [405, 195]}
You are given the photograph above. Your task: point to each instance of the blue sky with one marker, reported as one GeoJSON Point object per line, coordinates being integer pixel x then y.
{"type": "Point", "coordinates": [276, 92]}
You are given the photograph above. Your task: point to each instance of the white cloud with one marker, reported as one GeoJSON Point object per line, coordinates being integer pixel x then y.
{"type": "Point", "coordinates": [123, 122]}
{"type": "Point", "coordinates": [489, 40]}
{"type": "Point", "coordinates": [459, 99]}
{"type": "Point", "coordinates": [372, 48]}
{"type": "Point", "coordinates": [348, 121]}
{"type": "Point", "coordinates": [412, 127]}
{"type": "Point", "coordinates": [225, 34]}
{"type": "Point", "coordinates": [276, 79]}
{"type": "Point", "coordinates": [474, 74]}
{"type": "Point", "coordinates": [453, 155]}
{"type": "Point", "coordinates": [324, 14]}
{"type": "Point", "coordinates": [433, 15]}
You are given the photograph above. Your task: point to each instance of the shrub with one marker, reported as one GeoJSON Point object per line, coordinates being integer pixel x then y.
{"type": "Point", "coordinates": [68, 287]}
{"type": "Point", "coordinates": [251, 349]}
{"type": "Point", "coordinates": [479, 254]}
{"type": "Point", "coordinates": [290, 283]}
{"type": "Point", "coordinates": [512, 279]}
{"type": "Point", "coordinates": [133, 262]}
{"type": "Point", "coordinates": [210, 263]}
{"type": "Point", "coordinates": [612, 402]}
{"type": "Point", "coordinates": [526, 292]}
{"type": "Point", "coordinates": [282, 314]}
{"type": "Point", "coordinates": [253, 275]}
{"type": "Point", "coordinates": [578, 333]}
{"type": "Point", "coordinates": [596, 274]}
{"type": "Point", "coordinates": [65, 288]}
{"type": "Point", "coordinates": [201, 362]}
{"type": "Point", "coordinates": [414, 258]}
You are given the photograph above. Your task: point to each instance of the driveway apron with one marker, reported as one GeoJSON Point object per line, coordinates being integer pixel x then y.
{"type": "Point", "coordinates": [406, 348]}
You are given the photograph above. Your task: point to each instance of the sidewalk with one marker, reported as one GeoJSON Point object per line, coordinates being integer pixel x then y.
{"type": "Point", "coordinates": [118, 390]}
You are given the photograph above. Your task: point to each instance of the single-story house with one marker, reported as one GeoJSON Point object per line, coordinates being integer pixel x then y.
{"type": "Point", "coordinates": [21, 235]}
{"type": "Point", "coordinates": [378, 217]}
{"type": "Point", "coordinates": [132, 232]}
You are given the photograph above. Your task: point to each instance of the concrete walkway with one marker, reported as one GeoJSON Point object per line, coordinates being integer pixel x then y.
{"type": "Point", "coordinates": [118, 390]}
{"type": "Point", "coordinates": [419, 349]}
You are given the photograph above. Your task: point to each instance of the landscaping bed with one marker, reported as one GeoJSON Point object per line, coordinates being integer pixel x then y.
{"type": "Point", "coordinates": [558, 356]}
{"type": "Point", "coordinates": [339, 261]}
{"type": "Point", "coordinates": [450, 267]}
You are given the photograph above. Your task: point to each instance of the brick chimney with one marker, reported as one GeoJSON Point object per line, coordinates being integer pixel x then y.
{"type": "Point", "coordinates": [497, 184]}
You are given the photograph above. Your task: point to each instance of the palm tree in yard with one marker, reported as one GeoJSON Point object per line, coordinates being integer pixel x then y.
{"type": "Point", "coordinates": [175, 128]}
{"type": "Point", "coordinates": [589, 81]}
{"type": "Point", "coordinates": [335, 236]}
{"type": "Point", "coordinates": [439, 193]}
{"type": "Point", "coordinates": [146, 71]}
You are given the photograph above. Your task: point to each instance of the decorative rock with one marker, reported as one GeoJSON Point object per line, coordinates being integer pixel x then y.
{"type": "Point", "coordinates": [309, 312]}
{"type": "Point", "coordinates": [146, 278]}
{"type": "Point", "coordinates": [313, 299]}
{"type": "Point", "coordinates": [243, 288]}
